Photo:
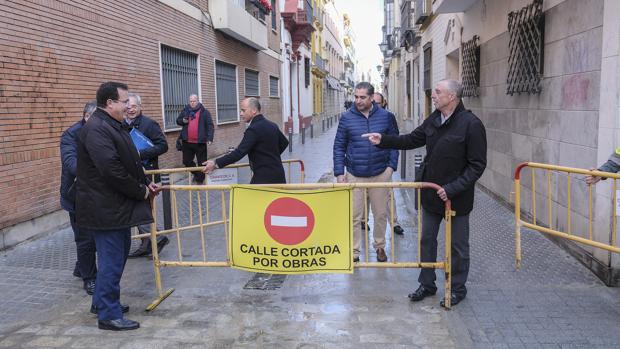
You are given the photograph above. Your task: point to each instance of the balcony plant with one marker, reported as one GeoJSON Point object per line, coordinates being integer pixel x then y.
{"type": "Point", "coordinates": [263, 5]}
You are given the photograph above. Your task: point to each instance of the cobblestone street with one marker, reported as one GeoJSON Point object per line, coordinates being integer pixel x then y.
{"type": "Point", "coordinates": [552, 302]}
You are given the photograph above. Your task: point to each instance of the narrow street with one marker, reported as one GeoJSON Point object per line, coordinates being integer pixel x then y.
{"type": "Point", "coordinates": [553, 302]}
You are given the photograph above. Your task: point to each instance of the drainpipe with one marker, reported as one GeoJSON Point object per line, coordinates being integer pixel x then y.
{"type": "Point", "coordinates": [298, 95]}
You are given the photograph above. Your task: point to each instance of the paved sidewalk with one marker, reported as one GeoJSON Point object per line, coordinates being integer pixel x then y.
{"type": "Point", "coordinates": [553, 302]}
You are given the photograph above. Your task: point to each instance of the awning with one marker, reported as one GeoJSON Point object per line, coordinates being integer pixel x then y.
{"type": "Point", "coordinates": [333, 83]}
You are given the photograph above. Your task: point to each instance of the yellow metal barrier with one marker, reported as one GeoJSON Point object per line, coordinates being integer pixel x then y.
{"type": "Point", "coordinates": [205, 221]}
{"type": "Point", "coordinates": [568, 232]}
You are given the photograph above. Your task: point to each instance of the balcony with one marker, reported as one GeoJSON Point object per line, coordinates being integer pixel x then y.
{"type": "Point", "coordinates": [298, 21]}
{"type": "Point", "coordinates": [423, 9]}
{"type": "Point", "coordinates": [231, 18]}
{"type": "Point", "coordinates": [319, 62]}
{"type": "Point", "coordinates": [318, 18]}
{"type": "Point", "coordinates": [453, 6]}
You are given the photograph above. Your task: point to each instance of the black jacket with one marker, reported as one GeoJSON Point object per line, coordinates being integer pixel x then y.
{"type": "Point", "coordinates": [263, 142]}
{"type": "Point", "coordinates": [205, 128]}
{"type": "Point", "coordinates": [456, 157]}
{"type": "Point", "coordinates": [151, 129]}
{"type": "Point", "coordinates": [68, 155]}
{"type": "Point", "coordinates": [111, 184]}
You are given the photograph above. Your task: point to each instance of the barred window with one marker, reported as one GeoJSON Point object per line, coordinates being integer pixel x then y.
{"type": "Point", "coordinates": [307, 71]}
{"type": "Point", "coordinates": [274, 86]}
{"type": "Point", "coordinates": [252, 87]}
{"type": "Point", "coordinates": [470, 74]}
{"type": "Point", "coordinates": [226, 86]}
{"type": "Point", "coordinates": [274, 19]}
{"type": "Point", "coordinates": [427, 67]}
{"type": "Point", "coordinates": [525, 46]}
{"type": "Point", "coordinates": [179, 76]}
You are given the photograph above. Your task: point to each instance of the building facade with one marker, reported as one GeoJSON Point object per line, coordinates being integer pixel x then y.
{"type": "Point", "coordinates": [562, 110]}
{"type": "Point", "coordinates": [222, 50]}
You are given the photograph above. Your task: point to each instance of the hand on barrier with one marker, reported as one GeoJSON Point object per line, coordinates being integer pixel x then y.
{"type": "Point", "coordinates": [374, 138]}
{"type": "Point", "coordinates": [341, 179]}
{"type": "Point", "coordinates": [590, 179]}
{"type": "Point", "coordinates": [154, 189]}
{"type": "Point", "coordinates": [442, 194]}
{"type": "Point", "coordinates": [210, 166]}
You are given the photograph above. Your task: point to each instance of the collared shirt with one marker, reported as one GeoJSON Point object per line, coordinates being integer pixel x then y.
{"type": "Point", "coordinates": [445, 118]}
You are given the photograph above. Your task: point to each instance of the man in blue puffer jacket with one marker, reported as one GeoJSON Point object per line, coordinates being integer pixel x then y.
{"type": "Point", "coordinates": [366, 163]}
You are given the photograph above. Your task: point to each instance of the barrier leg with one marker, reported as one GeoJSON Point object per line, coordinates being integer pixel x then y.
{"type": "Point", "coordinates": [161, 295]}
{"type": "Point", "coordinates": [448, 263]}
{"type": "Point", "coordinates": [517, 224]}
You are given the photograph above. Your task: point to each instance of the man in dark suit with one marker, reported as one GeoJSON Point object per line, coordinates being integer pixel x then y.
{"type": "Point", "coordinates": [112, 196]}
{"type": "Point", "coordinates": [262, 141]}
{"type": "Point", "coordinates": [85, 266]}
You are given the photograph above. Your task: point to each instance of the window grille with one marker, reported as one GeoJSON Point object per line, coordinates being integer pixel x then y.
{"type": "Point", "coordinates": [251, 83]}
{"type": "Point", "coordinates": [274, 86]}
{"type": "Point", "coordinates": [427, 67]}
{"type": "Point", "coordinates": [274, 18]}
{"type": "Point", "coordinates": [307, 71]}
{"type": "Point", "coordinates": [226, 85]}
{"type": "Point", "coordinates": [179, 71]}
{"type": "Point", "coordinates": [525, 60]}
{"type": "Point", "coordinates": [470, 75]}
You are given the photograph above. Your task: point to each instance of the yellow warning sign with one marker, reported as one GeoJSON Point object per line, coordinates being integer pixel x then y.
{"type": "Point", "coordinates": [291, 231]}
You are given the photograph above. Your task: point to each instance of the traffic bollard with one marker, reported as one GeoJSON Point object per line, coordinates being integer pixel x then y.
{"type": "Point", "coordinates": [290, 139]}
{"type": "Point", "coordinates": [165, 196]}
{"type": "Point", "coordinates": [312, 130]}
{"type": "Point", "coordinates": [303, 133]}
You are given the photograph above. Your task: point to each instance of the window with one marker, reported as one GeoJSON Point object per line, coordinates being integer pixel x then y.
{"type": "Point", "coordinates": [251, 83]}
{"type": "Point", "coordinates": [274, 23]}
{"type": "Point", "coordinates": [179, 77]}
{"type": "Point", "coordinates": [274, 87]}
{"type": "Point", "coordinates": [307, 71]}
{"type": "Point", "coordinates": [226, 86]}
{"type": "Point", "coordinates": [427, 66]}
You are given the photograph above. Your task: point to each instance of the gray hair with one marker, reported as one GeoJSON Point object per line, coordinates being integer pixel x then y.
{"type": "Point", "coordinates": [253, 103]}
{"type": "Point", "coordinates": [454, 87]}
{"type": "Point", "coordinates": [89, 108]}
{"type": "Point", "coordinates": [136, 96]}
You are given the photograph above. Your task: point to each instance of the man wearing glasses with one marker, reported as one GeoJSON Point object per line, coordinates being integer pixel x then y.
{"type": "Point", "coordinates": [112, 196]}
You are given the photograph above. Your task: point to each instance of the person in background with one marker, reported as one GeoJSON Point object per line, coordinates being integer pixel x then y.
{"type": "Point", "coordinates": [85, 265]}
{"type": "Point", "coordinates": [197, 134]}
{"type": "Point", "coordinates": [612, 165]}
{"type": "Point", "coordinates": [149, 156]}
{"type": "Point", "coordinates": [398, 230]}
{"type": "Point", "coordinates": [262, 142]}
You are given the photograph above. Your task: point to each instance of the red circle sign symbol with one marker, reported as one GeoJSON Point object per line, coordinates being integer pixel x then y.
{"type": "Point", "coordinates": [289, 221]}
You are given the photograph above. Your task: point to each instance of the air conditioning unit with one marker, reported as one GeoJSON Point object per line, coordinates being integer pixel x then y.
{"type": "Point", "coordinates": [422, 10]}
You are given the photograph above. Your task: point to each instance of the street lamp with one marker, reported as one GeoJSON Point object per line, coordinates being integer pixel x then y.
{"type": "Point", "coordinates": [383, 47]}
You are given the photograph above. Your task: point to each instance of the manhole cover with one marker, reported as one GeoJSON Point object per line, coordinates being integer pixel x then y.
{"type": "Point", "coordinates": [262, 281]}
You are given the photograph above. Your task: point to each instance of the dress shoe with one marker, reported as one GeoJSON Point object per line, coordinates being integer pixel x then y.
{"type": "Point", "coordinates": [124, 309]}
{"type": "Point", "coordinates": [398, 230]}
{"type": "Point", "coordinates": [118, 325]}
{"type": "Point", "coordinates": [381, 256]}
{"type": "Point", "coordinates": [421, 293]}
{"type": "Point", "coordinates": [162, 243]}
{"type": "Point", "coordinates": [454, 300]}
{"type": "Point", "coordinates": [356, 259]}
{"type": "Point", "coordinates": [89, 286]}
{"type": "Point", "coordinates": [143, 250]}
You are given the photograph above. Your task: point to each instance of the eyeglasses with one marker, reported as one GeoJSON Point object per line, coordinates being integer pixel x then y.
{"type": "Point", "coordinates": [117, 101]}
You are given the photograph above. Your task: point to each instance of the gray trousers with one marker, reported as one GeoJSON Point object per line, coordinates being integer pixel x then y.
{"type": "Point", "coordinates": [460, 250]}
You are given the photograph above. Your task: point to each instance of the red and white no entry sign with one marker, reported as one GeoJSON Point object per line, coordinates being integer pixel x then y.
{"type": "Point", "coordinates": [289, 221]}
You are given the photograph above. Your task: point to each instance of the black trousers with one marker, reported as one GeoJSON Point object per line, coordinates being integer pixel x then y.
{"type": "Point", "coordinates": [460, 250]}
{"type": "Point", "coordinates": [86, 252]}
{"type": "Point", "coordinates": [198, 150]}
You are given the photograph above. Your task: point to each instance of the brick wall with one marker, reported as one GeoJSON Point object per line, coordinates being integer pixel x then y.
{"type": "Point", "coordinates": [54, 55]}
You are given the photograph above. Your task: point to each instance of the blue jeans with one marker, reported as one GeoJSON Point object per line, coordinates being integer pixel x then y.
{"type": "Point", "coordinates": [112, 250]}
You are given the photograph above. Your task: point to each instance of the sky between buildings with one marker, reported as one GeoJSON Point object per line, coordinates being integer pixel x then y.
{"type": "Point", "coordinates": [366, 20]}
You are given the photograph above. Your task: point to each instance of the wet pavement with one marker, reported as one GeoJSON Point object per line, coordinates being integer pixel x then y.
{"type": "Point", "coordinates": [552, 302]}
